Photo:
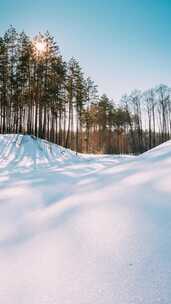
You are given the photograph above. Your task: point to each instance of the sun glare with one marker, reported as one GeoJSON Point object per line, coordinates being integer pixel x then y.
{"type": "Point", "coordinates": [39, 47]}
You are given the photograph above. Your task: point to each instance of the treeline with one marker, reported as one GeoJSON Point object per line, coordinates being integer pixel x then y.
{"type": "Point", "coordinates": [43, 95]}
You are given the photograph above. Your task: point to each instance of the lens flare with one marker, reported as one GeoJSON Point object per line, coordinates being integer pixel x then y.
{"type": "Point", "coordinates": [40, 47]}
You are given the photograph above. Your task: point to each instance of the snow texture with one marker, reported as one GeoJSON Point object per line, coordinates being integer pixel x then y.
{"type": "Point", "coordinates": [83, 229]}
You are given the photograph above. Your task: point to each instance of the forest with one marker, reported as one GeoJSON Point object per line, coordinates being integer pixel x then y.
{"type": "Point", "coordinates": [43, 95]}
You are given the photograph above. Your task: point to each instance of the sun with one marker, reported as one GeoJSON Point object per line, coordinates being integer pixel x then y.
{"type": "Point", "coordinates": [39, 47]}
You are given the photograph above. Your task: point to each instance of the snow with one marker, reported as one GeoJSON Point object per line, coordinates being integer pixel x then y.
{"type": "Point", "coordinates": [83, 229]}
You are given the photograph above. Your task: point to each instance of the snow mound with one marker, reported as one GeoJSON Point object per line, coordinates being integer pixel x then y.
{"type": "Point", "coordinates": [161, 152]}
{"type": "Point", "coordinates": [30, 151]}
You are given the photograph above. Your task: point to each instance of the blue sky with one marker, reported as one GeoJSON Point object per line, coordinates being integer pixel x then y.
{"type": "Point", "coordinates": [122, 44]}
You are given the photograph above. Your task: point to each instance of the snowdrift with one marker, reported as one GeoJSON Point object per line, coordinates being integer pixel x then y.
{"type": "Point", "coordinates": [85, 230]}
{"type": "Point", "coordinates": [30, 151]}
{"type": "Point", "coordinates": [159, 153]}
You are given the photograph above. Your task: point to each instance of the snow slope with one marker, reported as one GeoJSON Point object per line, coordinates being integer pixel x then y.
{"type": "Point", "coordinates": [29, 151]}
{"type": "Point", "coordinates": [83, 229]}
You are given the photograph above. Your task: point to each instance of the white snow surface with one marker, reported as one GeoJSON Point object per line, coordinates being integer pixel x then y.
{"type": "Point", "coordinates": [83, 229]}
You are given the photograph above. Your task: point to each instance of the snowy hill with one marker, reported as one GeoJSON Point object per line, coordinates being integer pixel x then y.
{"type": "Point", "coordinates": [28, 151]}
{"type": "Point", "coordinates": [83, 229]}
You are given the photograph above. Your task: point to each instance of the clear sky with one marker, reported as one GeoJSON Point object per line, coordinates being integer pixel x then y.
{"type": "Point", "coordinates": [122, 44]}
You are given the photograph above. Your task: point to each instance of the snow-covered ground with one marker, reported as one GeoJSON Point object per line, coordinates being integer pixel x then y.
{"type": "Point", "coordinates": [83, 229]}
